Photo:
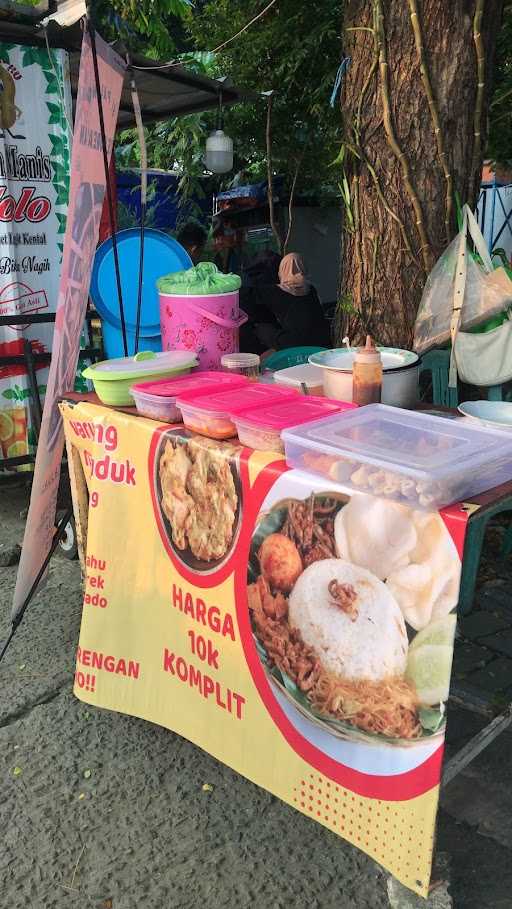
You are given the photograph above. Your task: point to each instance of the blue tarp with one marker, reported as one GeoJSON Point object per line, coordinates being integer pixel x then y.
{"type": "Point", "coordinates": [252, 191]}
{"type": "Point", "coordinates": [162, 209]}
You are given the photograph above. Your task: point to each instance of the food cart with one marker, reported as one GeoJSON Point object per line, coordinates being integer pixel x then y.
{"type": "Point", "coordinates": [298, 632]}
{"type": "Point", "coordinates": [191, 620]}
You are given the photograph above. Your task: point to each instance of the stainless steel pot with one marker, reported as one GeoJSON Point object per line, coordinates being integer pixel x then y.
{"type": "Point", "coordinates": [400, 386]}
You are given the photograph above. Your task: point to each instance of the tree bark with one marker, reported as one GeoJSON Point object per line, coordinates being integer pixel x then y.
{"type": "Point", "coordinates": [414, 125]}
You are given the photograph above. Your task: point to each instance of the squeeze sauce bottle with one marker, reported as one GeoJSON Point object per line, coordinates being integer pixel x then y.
{"type": "Point", "coordinates": [367, 374]}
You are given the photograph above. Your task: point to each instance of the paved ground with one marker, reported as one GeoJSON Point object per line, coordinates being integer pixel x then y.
{"type": "Point", "coordinates": [101, 810]}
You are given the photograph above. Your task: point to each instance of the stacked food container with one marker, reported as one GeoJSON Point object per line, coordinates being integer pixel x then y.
{"type": "Point", "coordinates": [158, 399]}
{"type": "Point", "coordinates": [410, 457]}
{"type": "Point", "coordinates": [221, 405]}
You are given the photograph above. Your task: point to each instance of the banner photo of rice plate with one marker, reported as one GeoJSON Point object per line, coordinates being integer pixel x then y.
{"type": "Point", "coordinates": [300, 634]}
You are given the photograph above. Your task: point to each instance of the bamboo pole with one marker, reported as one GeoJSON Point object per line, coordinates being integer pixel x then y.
{"type": "Point", "coordinates": [425, 75]}
{"type": "Point", "coordinates": [270, 188]}
{"type": "Point", "coordinates": [480, 65]}
{"type": "Point", "coordinates": [291, 201]}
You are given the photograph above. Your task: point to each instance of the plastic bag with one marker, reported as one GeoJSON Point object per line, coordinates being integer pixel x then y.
{"type": "Point", "coordinates": [485, 359]}
{"type": "Point", "coordinates": [204, 278]}
{"type": "Point", "coordinates": [487, 290]}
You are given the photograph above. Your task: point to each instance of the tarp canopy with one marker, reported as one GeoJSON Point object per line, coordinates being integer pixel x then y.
{"type": "Point", "coordinates": [163, 93]}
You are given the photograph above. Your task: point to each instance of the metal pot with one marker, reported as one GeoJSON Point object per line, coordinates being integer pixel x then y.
{"type": "Point", "coordinates": [400, 384]}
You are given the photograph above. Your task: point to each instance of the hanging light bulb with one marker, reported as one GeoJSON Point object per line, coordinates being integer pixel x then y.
{"type": "Point", "coordinates": [219, 152]}
{"type": "Point", "coordinates": [219, 147]}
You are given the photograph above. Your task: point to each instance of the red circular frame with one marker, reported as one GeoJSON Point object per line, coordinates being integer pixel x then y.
{"type": "Point", "coordinates": [399, 787]}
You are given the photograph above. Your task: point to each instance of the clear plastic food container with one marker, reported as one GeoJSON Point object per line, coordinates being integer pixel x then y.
{"type": "Point", "coordinates": [158, 399]}
{"type": "Point", "coordinates": [261, 427]}
{"type": "Point", "coordinates": [213, 414]}
{"type": "Point", "coordinates": [305, 377]}
{"type": "Point", "coordinates": [244, 364]}
{"type": "Point", "coordinates": [410, 457]}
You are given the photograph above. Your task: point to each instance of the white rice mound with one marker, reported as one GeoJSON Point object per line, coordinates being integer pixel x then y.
{"type": "Point", "coordinates": [374, 646]}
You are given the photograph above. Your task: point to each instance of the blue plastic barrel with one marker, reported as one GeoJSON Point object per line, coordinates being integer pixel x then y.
{"type": "Point", "coordinates": [162, 255]}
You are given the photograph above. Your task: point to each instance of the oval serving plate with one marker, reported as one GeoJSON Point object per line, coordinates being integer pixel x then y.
{"type": "Point", "coordinates": [272, 521]}
{"type": "Point", "coordinates": [186, 556]}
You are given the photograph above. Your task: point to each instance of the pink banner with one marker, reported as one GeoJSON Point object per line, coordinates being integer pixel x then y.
{"type": "Point", "coordinates": [87, 193]}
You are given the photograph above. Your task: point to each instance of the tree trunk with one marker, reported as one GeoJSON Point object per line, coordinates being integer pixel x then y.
{"type": "Point", "coordinates": [413, 107]}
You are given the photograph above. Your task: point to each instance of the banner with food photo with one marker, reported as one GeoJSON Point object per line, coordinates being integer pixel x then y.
{"type": "Point", "coordinates": [301, 634]}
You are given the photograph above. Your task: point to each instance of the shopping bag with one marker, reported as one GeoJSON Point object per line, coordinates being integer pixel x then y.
{"type": "Point", "coordinates": [480, 358]}
{"type": "Point", "coordinates": [461, 284]}
{"type": "Point", "coordinates": [485, 359]}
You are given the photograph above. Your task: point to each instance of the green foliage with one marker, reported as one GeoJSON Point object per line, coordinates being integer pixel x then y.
{"type": "Point", "coordinates": [294, 51]}
{"type": "Point", "coordinates": [149, 27]}
{"type": "Point", "coordinates": [500, 112]}
{"type": "Point", "coordinates": [176, 144]}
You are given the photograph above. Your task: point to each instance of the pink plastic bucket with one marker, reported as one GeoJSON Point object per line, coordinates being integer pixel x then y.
{"type": "Point", "coordinates": [206, 323]}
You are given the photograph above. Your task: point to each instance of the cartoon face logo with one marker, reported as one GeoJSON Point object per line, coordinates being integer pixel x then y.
{"type": "Point", "coordinates": [9, 111]}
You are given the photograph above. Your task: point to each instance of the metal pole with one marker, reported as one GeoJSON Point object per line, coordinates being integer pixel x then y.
{"type": "Point", "coordinates": [55, 542]}
{"type": "Point", "coordinates": [143, 198]}
{"type": "Point", "coordinates": [92, 34]}
{"type": "Point", "coordinates": [37, 411]}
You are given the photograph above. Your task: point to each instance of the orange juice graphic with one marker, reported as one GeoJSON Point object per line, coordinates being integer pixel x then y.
{"type": "Point", "coordinates": [13, 432]}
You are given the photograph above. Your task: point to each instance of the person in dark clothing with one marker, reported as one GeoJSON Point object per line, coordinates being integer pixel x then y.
{"type": "Point", "coordinates": [262, 269]}
{"type": "Point", "coordinates": [193, 237]}
{"type": "Point", "coordinates": [287, 314]}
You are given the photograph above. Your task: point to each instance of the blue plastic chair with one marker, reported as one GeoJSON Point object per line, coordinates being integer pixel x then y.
{"type": "Point", "coordinates": [437, 363]}
{"type": "Point", "coordinates": [290, 356]}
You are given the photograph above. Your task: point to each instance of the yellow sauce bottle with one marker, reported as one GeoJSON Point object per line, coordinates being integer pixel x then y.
{"type": "Point", "coordinates": [367, 374]}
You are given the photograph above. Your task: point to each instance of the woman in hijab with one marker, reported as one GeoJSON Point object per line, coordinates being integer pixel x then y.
{"type": "Point", "coordinates": [287, 314]}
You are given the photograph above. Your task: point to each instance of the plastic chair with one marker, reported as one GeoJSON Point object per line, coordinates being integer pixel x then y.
{"type": "Point", "coordinates": [290, 356]}
{"type": "Point", "coordinates": [495, 393]}
{"type": "Point", "coordinates": [475, 536]}
{"type": "Point", "coordinates": [437, 363]}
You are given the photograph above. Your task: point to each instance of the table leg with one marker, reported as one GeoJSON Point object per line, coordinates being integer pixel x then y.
{"type": "Point", "coordinates": [475, 536]}
{"type": "Point", "coordinates": [80, 499]}
{"type": "Point", "coordinates": [476, 745]}
{"type": "Point", "coordinates": [471, 562]}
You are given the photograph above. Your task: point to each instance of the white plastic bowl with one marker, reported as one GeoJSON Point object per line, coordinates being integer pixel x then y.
{"type": "Point", "coordinates": [490, 413]}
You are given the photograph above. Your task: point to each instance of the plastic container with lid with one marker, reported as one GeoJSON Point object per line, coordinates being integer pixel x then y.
{"type": "Point", "coordinates": [158, 399]}
{"type": "Point", "coordinates": [244, 364]}
{"type": "Point", "coordinates": [112, 379]}
{"type": "Point", "coordinates": [213, 414]}
{"type": "Point", "coordinates": [305, 377]}
{"type": "Point", "coordinates": [261, 427]}
{"type": "Point", "coordinates": [420, 460]}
